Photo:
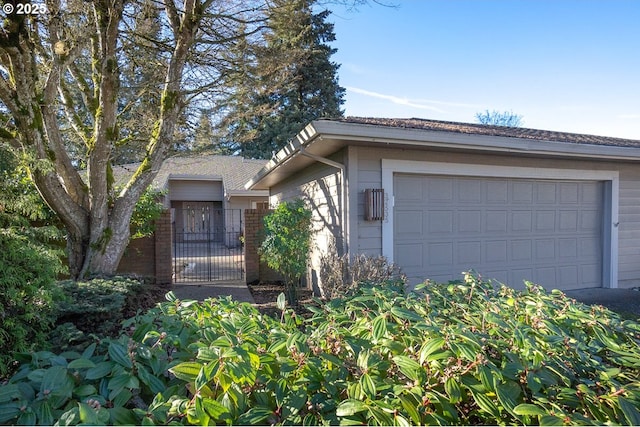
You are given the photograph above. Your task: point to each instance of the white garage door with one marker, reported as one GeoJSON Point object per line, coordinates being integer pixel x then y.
{"type": "Point", "coordinates": [545, 231]}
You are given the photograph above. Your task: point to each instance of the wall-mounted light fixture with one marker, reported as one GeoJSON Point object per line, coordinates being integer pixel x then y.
{"type": "Point", "coordinates": [374, 204]}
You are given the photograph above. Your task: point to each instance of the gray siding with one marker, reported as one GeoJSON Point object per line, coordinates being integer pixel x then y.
{"type": "Point", "coordinates": [320, 186]}
{"type": "Point", "coordinates": [196, 191]}
{"type": "Point", "coordinates": [369, 234]}
{"type": "Point", "coordinates": [629, 228]}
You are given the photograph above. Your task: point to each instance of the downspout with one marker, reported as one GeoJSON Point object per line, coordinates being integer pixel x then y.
{"type": "Point", "coordinates": [343, 208]}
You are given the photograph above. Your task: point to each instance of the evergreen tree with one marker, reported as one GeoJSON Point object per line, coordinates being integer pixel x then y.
{"type": "Point", "coordinates": [203, 135]}
{"type": "Point", "coordinates": [206, 139]}
{"type": "Point", "coordinates": [274, 98]}
{"type": "Point", "coordinates": [143, 61]}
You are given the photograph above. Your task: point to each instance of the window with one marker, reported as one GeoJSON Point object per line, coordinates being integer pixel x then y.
{"type": "Point", "coordinates": [259, 204]}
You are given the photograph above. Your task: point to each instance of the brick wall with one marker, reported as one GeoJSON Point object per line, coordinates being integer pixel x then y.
{"type": "Point", "coordinates": [151, 256]}
{"type": "Point", "coordinates": [163, 253]}
{"type": "Point", "coordinates": [139, 258]}
{"type": "Point", "coordinates": [254, 268]}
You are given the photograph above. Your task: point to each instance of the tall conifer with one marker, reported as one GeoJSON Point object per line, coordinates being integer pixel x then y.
{"type": "Point", "coordinates": [280, 96]}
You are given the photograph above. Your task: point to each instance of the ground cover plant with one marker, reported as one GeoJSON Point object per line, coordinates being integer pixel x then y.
{"type": "Point", "coordinates": [100, 305]}
{"type": "Point", "coordinates": [96, 308]}
{"type": "Point", "coordinates": [458, 353]}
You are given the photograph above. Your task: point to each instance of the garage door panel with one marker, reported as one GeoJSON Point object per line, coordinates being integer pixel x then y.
{"type": "Point", "coordinates": [545, 221]}
{"type": "Point", "coordinates": [470, 221]}
{"type": "Point", "coordinates": [546, 193]}
{"type": "Point", "coordinates": [439, 190]}
{"type": "Point", "coordinates": [412, 256]}
{"type": "Point", "coordinates": [568, 221]}
{"type": "Point", "coordinates": [522, 192]}
{"type": "Point", "coordinates": [545, 231]}
{"type": "Point", "coordinates": [521, 251]}
{"type": "Point", "coordinates": [568, 276]}
{"type": "Point", "coordinates": [544, 275]}
{"type": "Point", "coordinates": [569, 193]}
{"type": "Point", "coordinates": [496, 221]}
{"type": "Point", "coordinates": [496, 251]}
{"type": "Point", "coordinates": [409, 223]}
{"type": "Point", "coordinates": [440, 222]}
{"type": "Point", "coordinates": [521, 221]}
{"type": "Point", "coordinates": [470, 191]}
{"type": "Point", "coordinates": [500, 275]}
{"type": "Point", "coordinates": [568, 248]}
{"type": "Point", "coordinates": [409, 188]}
{"type": "Point", "coordinates": [470, 253]}
{"type": "Point", "coordinates": [497, 192]}
{"type": "Point", "coordinates": [590, 247]}
{"type": "Point", "coordinates": [545, 249]}
{"type": "Point", "coordinates": [440, 254]}
{"type": "Point", "coordinates": [516, 277]}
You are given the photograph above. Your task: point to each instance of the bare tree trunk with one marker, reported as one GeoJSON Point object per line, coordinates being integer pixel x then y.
{"type": "Point", "coordinates": [41, 59]}
{"type": "Point", "coordinates": [110, 238]}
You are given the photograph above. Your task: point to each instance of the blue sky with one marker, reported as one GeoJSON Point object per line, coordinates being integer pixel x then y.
{"type": "Point", "coordinates": [564, 65]}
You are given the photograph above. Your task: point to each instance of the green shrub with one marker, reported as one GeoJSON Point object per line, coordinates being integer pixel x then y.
{"type": "Point", "coordinates": [285, 247]}
{"type": "Point", "coordinates": [458, 353]}
{"type": "Point", "coordinates": [147, 210]}
{"type": "Point", "coordinates": [98, 306]}
{"type": "Point", "coordinates": [130, 380]}
{"type": "Point", "coordinates": [28, 270]}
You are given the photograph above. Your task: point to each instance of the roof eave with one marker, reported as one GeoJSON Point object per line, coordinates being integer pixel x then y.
{"type": "Point", "coordinates": [347, 133]}
{"type": "Point", "coordinates": [247, 193]}
{"type": "Point", "coordinates": [455, 140]}
{"type": "Point", "coordinates": [193, 177]}
{"type": "Point", "coordinates": [304, 138]}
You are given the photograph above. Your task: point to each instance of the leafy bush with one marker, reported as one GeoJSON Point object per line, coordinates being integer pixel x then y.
{"type": "Point", "coordinates": [286, 243]}
{"type": "Point", "coordinates": [147, 210]}
{"type": "Point", "coordinates": [459, 353]}
{"type": "Point", "coordinates": [28, 271]}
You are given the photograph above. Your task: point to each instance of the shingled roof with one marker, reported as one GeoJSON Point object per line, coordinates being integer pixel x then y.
{"type": "Point", "coordinates": [488, 130]}
{"type": "Point", "coordinates": [233, 171]}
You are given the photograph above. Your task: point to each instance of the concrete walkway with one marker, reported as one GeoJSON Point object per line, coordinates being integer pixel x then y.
{"type": "Point", "coordinates": [238, 290]}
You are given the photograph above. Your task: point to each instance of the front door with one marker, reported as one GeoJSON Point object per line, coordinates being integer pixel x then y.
{"type": "Point", "coordinates": [199, 221]}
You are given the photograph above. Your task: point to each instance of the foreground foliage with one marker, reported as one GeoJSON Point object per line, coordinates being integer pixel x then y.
{"type": "Point", "coordinates": [460, 353]}
{"type": "Point", "coordinates": [28, 270]}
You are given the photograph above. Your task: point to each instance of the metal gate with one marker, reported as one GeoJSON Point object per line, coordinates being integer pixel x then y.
{"type": "Point", "coordinates": [207, 244]}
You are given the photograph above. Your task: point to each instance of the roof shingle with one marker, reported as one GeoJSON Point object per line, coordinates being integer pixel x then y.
{"type": "Point", "coordinates": [488, 130]}
{"type": "Point", "coordinates": [234, 171]}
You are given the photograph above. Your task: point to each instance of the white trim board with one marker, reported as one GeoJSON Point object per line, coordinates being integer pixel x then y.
{"type": "Point", "coordinates": [611, 197]}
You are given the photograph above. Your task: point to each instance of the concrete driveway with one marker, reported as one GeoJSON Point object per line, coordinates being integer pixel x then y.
{"type": "Point", "coordinates": [625, 301]}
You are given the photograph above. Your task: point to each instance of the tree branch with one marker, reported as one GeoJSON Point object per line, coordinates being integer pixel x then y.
{"type": "Point", "coordinates": [72, 181]}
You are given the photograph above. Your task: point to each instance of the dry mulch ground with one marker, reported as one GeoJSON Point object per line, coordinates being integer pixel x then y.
{"type": "Point", "coordinates": [265, 295]}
